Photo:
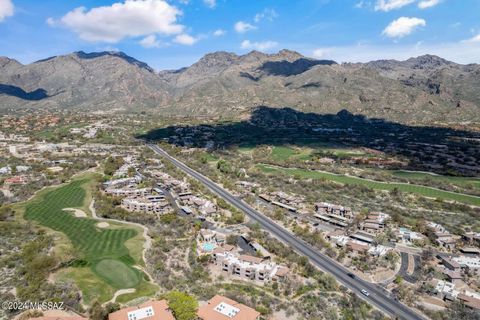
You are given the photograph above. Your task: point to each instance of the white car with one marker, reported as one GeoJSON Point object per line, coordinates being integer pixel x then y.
{"type": "Point", "coordinates": [365, 292]}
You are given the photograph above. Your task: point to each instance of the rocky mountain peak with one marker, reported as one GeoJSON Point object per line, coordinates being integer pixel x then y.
{"type": "Point", "coordinates": [289, 55]}
{"type": "Point", "coordinates": [428, 61]}
{"type": "Point", "coordinates": [219, 58]}
{"type": "Point", "coordinates": [4, 61]}
{"type": "Point", "coordinates": [112, 54]}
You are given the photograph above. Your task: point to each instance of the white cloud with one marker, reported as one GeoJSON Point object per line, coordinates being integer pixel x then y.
{"type": "Point", "coordinates": [150, 42]}
{"type": "Point", "coordinates": [260, 46]}
{"type": "Point", "coordinates": [185, 39]}
{"type": "Point", "coordinates": [266, 14]}
{"type": "Point", "coordinates": [428, 4]}
{"type": "Point", "coordinates": [242, 27]}
{"type": "Point", "coordinates": [219, 33]}
{"type": "Point", "coordinates": [210, 3]}
{"type": "Point", "coordinates": [360, 5]}
{"type": "Point", "coordinates": [132, 18]}
{"type": "Point", "coordinates": [6, 9]}
{"type": "Point", "coordinates": [320, 53]}
{"type": "Point", "coordinates": [475, 39]}
{"type": "Point", "coordinates": [388, 5]}
{"type": "Point", "coordinates": [403, 26]}
{"type": "Point", "coordinates": [51, 22]}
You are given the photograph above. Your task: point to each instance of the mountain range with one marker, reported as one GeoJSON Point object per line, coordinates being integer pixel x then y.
{"type": "Point", "coordinates": [419, 90]}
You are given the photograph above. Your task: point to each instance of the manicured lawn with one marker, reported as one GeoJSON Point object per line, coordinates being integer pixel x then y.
{"type": "Point", "coordinates": [110, 253]}
{"type": "Point", "coordinates": [88, 282]}
{"type": "Point", "coordinates": [461, 181]}
{"type": "Point", "coordinates": [117, 273]}
{"type": "Point", "coordinates": [282, 153]}
{"type": "Point", "coordinates": [410, 188]}
{"type": "Point", "coordinates": [93, 242]}
{"type": "Point", "coordinates": [144, 289]}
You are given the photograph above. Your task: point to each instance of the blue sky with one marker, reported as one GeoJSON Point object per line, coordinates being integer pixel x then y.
{"type": "Point", "coordinates": [170, 34]}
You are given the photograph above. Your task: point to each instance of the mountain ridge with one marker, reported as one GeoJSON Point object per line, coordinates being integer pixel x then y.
{"type": "Point", "coordinates": [425, 88]}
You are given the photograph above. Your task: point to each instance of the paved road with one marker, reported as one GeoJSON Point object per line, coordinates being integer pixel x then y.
{"type": "Point", "coordinates": [412, 278]}
{"type": "Point", "coordinates": [378, 296]}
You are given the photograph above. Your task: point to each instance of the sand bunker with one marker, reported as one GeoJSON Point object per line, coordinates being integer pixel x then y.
{"type": "Point", "coordinates": [77, 212]}
{"type": "Point", "coordinates": [103, 225]}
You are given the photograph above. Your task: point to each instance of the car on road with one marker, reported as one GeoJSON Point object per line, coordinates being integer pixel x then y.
{"type": "Point", "coordinates": [351, 275]}
{"type": "Point", "coordinates": [365, 293]}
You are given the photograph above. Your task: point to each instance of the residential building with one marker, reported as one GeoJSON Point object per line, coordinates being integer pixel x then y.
{"type": "Point", "coordinates": [379, 251]}
{"type": "Point", "coordinates": [468, 264]}
{"type": "Point", "coordinates": [148, 204]}
{"type": "Point", "coordinates": [472, 238]}
{"type": "Point", "coordinates": [129, 191]}
{"type": "Point", "coordinates": [375, 222]}
{"type": "Point", "coordinates": [150, 310]}
{"type": "Point", "coordinates": [445, 290]}
{"type": "Point", "coordinates": [470, 301]}
{"type": "Point", "coordinates": [334, 214]}
{"type": "Point", "coordinates": [120, 183]}
{"type": "Point", "coordinates": [450, 264]}
{"type": "Point", "coordinates": [222, 308]}
{"type": "Point", "coordinates": [356, 247]}
{"type": "Point", "coordinates": [406, 235]}
{"type": "Point", "coordinates": [15, 180]}
{"type": "Point", "coordinates": [211, 236]}
{"type": "Point", "coordinates": [248, 267]}
{"type": "Point", "coordinates": [472, 251]}
{"type": "Point", "coordinates": [59, 318]}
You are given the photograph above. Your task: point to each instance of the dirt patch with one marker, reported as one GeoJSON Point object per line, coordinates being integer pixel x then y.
{"type": "Point", "coordinates": [77, 212]}
{"type": "Point", "coordinates": [103, 225]}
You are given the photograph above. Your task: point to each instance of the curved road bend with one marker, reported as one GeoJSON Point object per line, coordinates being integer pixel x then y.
{"type": "Point", "coordinates": [378, 296]}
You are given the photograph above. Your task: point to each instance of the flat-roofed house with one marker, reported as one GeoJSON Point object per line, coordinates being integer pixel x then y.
{"type": "Point", "coordinates": [469, 301]}
{"type": "Point", "coordinates": [334, 214]}
{"type": "Point", "coordinates": [150, 310]}
{"type": "Point", "coordinates": [450, 264]}
{"type": "Point", "coordinates": [222, 308]}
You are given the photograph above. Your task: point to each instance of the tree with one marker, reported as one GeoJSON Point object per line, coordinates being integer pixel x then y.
{"type": "Point", "coordinates": [458, 311]}
{"type": "Point", "coordinates": [183, 306]}
{"type": "Point", "coordinates": [232, 239]}
{"type": "Point", "coordinates": [97, 312]}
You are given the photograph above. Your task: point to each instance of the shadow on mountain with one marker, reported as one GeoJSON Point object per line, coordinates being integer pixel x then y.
{"type": "Point", "coordinates": [95, 55]}
{"type": "Point", "coordinates": [14, 91]}
{"type": "Point", "coordinates": [435, 149]}
{"type": "Point", "coordinates": [249, 76]}
{"type": "Point", "coordinates": [286, 68]}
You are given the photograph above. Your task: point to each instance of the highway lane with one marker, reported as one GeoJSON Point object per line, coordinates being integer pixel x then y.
{"type": "Point", "coordinates": [378, 296]}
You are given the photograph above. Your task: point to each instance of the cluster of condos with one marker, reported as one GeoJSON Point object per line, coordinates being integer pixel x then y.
{"type": "Point", "coordinates": [226, 258]}
{"type": "Point", "coordinates": [135, 199]}
{"type": "Point", "coordinates": [217, 308]}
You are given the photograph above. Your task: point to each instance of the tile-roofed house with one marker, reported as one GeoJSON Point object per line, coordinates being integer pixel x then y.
{"type": "Point", "coordinates": [222, 308]}
{"type": "Point", "coordinates": [224, 248]}
{"type": "Point", "coordinates": [58, 318]}
{"type": "Point", "coordinates": [372, 228]}
{"type": "Point", "coordinates": [150, 310]}
{"type": "Point", "coordinates": [250, 259]}
{"type": "Point", "coordinates": [469, 301]}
